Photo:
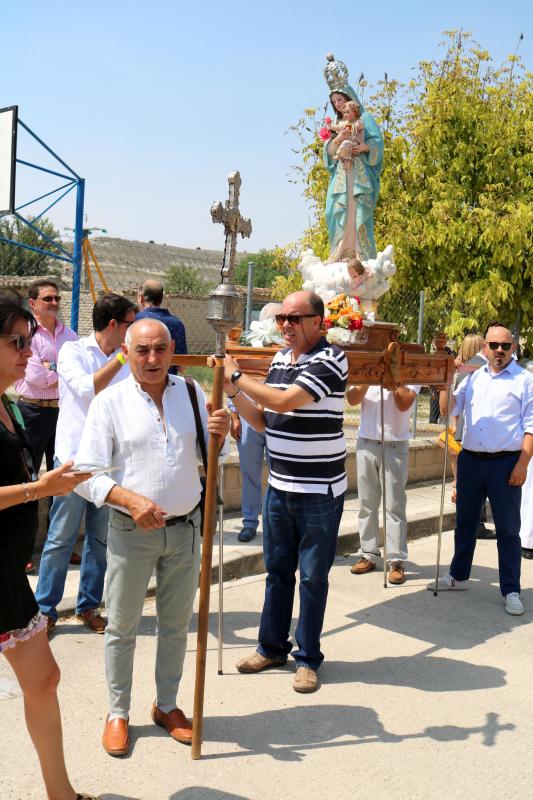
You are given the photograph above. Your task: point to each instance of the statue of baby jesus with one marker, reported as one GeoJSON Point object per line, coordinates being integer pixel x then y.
{"type": "Point", "coordinates": [357, 271]}
{"type": "Point", "coordinates": [350, 121]}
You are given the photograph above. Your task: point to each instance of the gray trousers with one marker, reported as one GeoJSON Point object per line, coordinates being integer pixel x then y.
{"type": "Point", "coordinates": [368, 453]}
{"type": "Point", "coordinates": [132, 555]}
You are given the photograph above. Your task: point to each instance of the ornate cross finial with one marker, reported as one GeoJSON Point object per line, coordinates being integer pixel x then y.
{"type": "Point", "coordinates": [230, 216]}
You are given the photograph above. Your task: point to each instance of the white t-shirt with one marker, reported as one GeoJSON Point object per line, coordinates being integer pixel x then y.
{"type": "Point", "coordinates": [396, 421]}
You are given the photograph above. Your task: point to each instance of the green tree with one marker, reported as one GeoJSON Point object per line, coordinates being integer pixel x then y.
{"type": "Point", "coordinates": [268, 265]}
{"type": "Point", "coordinates": [456, 186]}
{"type": "Point", "coordinates": [186, 280]}
{"type": "Point", "coordinates": [19, 261]}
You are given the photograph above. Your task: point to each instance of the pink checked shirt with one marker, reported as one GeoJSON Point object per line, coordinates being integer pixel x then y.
{"type": "Point", "coordinates": [39, 382]}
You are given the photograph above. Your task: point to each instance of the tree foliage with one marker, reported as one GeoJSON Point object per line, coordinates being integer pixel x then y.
{"type": "Point", "coordinates": [268, 265]}
{"type": "Point", "coordinates": [456, 186]}
{"type": "Point", "coordinates": [182, 279]}
{"type": "Point", "coordinates": [19, 261]}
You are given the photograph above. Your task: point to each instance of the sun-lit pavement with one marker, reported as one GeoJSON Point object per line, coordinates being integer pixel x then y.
{"type": "Point", "coordinates": [421, 697]}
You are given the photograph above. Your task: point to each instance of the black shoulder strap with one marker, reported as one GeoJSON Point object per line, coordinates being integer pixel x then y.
{"type": "Point", "coordinates": [199, 429]}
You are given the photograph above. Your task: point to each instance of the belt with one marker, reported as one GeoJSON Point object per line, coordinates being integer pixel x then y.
{"type": "Point", "coordinates": [43, 403]}
{"type": "Point", "coordinates": [169, 520]}
{"type": "Point", "coordinates": [491, 456]}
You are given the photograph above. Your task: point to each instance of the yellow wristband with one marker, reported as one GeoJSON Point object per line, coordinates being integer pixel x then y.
{"type": "Point", "coordinates": [120, 357]}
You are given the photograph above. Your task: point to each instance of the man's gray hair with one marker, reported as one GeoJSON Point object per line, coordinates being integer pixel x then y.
{"type": "Point", "coordinates": [129, 332]}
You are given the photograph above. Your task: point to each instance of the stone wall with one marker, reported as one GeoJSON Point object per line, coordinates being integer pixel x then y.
{"type": "Point", "coordinates": [191, 310]}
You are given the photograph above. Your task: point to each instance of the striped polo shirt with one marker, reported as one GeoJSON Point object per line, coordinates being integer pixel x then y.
{"type": "Point", "coordinates": [306, 446]}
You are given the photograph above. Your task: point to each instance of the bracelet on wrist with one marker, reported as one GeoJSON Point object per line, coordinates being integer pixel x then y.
{"type": "Point", "coordinates": [233, 396]}
{"type": "Point", "coordinates": [26, 491]}
{"type": "Point", "coordinates": [120, 357]}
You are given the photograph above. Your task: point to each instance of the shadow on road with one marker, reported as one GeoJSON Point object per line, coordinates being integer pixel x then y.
{"type": "Point", "coordinates": [451, 621]}
{"type": "Point", "coordinates": [427, 673]}
{"type": "Point", "coordinates": [287, 734]}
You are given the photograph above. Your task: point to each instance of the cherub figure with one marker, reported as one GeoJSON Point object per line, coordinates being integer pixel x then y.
{"type": "Point", "coordinates": [357, 271]}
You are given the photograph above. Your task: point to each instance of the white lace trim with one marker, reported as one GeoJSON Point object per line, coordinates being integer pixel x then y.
{"type": "Point", "coordinates": [34, 626]}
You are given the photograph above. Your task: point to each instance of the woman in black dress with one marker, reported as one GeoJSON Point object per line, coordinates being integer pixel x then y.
{"type": "Point", "coordinates": [23, 638]}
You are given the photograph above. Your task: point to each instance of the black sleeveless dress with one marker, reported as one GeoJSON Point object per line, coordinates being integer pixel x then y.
{"type": "Point", "coordinates": [18, 529]}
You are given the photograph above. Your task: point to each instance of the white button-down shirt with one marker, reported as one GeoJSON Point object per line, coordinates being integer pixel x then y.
{"type": "Point", "coordinates": [157, 457]}
{"type": "Point", "coordinates": [498, 408]}
{"type": "Point", "coordinates": [77, 363]}
{"type": "Point", "coordinates": [396, 421]}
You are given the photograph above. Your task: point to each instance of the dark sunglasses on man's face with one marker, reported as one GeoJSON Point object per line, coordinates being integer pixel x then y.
{"type": "Point", "coordinates": [292, 319]}
{"type": "Point", "coordinates": [50, 298]}
{"type": "Point", "coordinates": [20, 341]}
{"type": "Point", "coordinates": [497, 345]}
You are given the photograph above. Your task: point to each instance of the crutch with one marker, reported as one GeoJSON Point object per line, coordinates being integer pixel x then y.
{"type": "Point", "coordinates": [383, 490]}
{"type": "Point", "coordinates": [442, 490]}
{"type": "Point", "coordinates": [220, 568]}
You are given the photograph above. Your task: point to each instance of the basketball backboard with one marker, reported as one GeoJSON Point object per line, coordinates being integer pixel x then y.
{"type": "Point", "coordinates": [8, 155]}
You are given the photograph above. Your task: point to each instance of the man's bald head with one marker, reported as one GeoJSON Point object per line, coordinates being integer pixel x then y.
{"type": "Point", "coordinates": [146, 327]}
{"type": "Point", "coordinates": [151, 292]}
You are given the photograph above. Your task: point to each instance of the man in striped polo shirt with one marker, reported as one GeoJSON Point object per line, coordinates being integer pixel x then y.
{"type": "Point", "coordinates": [300, 408]}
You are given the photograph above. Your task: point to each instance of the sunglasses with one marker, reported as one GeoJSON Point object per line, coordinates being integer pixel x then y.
{"type": "Point", "coordinates": [292, 319]}
{"type": "Point", "coordinates": [50, 298]}
{"type": "Point", "coordinates": [20, 341]}
{"type": "Point", "coordinates": [496, 345]}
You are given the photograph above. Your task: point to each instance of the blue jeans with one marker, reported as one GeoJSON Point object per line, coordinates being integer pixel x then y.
{"type": "Point", "coordinates": [66, 516]}
{"type": "Point", "coordinates": [251, 446]}
{"type": "Point", "coordinates": [477, 479]}
{"type": "Point", "coordinates": [298, 529]}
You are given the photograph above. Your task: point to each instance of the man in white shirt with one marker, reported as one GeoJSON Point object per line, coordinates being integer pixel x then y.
{"type": "Point", "coordinates": [397, 402]}
{"type": "Point", "coordinates": [145, 427]}
{"type": "Point", "coordinates": [85, 367]}
{"type": "Point", "coordinates": [497, 401]}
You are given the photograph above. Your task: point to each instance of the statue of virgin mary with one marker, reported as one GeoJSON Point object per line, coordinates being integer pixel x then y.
{"type": "Point", "coordinates": [353, 190]}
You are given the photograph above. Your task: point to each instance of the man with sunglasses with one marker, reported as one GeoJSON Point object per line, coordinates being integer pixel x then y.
{"type": "Point", "coordinates": [39, 390]}
{"type": "Point", "coordinates": [300, 407]}
{"type": "Point", "coordinates": [497, 401]}
{"type": "Point", "coordinates": [85, 367]}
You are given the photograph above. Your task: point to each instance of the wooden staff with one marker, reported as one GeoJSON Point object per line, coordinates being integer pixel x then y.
{"type": "Point", "coordinates": [205, 574]}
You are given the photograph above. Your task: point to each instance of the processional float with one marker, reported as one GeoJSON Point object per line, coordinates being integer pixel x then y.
{"type": "Point", "coordinates": [377, 359]}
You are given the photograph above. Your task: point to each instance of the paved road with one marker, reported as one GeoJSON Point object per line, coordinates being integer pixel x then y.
{"type": "Point", "coordinates": [421, 698]}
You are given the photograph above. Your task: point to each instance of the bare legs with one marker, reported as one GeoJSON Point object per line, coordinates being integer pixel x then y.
{"type": "Point", "coordinates": [38, 676]}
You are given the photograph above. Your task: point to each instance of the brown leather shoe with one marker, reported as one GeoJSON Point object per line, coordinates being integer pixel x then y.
{"type": "Point", "coordinates": [93, 619]}
{"type": "Point", "coordinates": [175, 723]}
{"type": "Point", "coordinates": [305, 680]}
{"type": "Point", "coordinates": [257, 663]}
{"type": "Point", "coordinates": [397, 573]}
{"type": "Point", "coordinates": [115, 738]}
{"type": "Point", "coordinates": [50, 625]}
{"type": "Point", "coordinates": [362, 566]}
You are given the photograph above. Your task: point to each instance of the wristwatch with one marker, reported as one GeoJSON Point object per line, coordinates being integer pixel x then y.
{"type": "Point", "coordinates": [234, 377]}
{"type": "Point", "coordinates": [53, 366]}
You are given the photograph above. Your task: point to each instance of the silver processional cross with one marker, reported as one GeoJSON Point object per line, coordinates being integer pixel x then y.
{"type": "Point", "coordinates": [230, 216]}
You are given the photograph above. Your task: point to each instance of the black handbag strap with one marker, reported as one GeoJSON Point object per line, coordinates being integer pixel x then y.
{"type": "Point", "coordinates": [196, 411]}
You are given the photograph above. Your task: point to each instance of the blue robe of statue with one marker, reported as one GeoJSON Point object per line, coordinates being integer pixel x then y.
{"type": "Point", "coordinates": [363, 180]}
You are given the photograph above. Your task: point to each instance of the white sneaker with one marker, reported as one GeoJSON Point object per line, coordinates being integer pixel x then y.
{"type": "Point", "coordinates": [513, 604]}
{"type": "Point", "coordinates": [448, 584]}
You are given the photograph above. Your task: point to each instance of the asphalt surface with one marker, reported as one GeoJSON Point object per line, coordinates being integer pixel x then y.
{"type": "Point", "coordinates": [421, 697]}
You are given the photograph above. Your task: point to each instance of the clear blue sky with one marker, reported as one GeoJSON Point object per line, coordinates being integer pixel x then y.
{"type": "Point", "coordinates": [155, 103]}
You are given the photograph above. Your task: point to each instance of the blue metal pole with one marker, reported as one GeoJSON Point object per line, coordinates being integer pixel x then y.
{"type": "Point", "coordinates": [76, 256]}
